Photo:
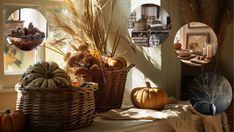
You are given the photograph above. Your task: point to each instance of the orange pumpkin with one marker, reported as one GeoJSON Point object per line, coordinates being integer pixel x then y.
{"type": "Point", "coordinates": [122, 61]}
{"type": "Point", "coordinates": [148, 97]}
{"type": "Point", "coordinates": [12, 122]}
{"type": "Point", "coordinates": [76, 84]}
{"type": "Point", "coordinates": [115, 62]}
{"type": "Point", "coordinates": [177, 45]}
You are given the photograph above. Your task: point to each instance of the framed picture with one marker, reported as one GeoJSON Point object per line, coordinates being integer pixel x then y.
{"type": "Point", "coordinates": [197, 41]}
{"type": "Point", "coordinates": [197, 25]}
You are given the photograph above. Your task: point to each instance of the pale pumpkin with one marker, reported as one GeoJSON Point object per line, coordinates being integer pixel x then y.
{"type": "Point", "coordinates": [148, 97]}
{"type": "Point", "coordinates": [45, 75]}
{"type": "Point", "coordinates": [12, 122]}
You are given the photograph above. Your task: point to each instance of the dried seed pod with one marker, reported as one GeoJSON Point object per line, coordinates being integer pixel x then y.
{"type": "Point", "coordinates": [66, 56]}
{"type": "Point", "coordinates": [37, 36]}
{"type": "Point", "coordinates": [88, 61]}
{"type": "Point", "coordinates": [75, 61]}
{"type": "Point", "coordinates": [83, 47]}
{"type": "Point", "coordinates": [11, 33]}
{"type": "Point", "coordinates": [25, 31]}
{"type": "Point", "coordinates": [30, 36]}
{"type": "Point", "coordinates": [81, 70]}
{"type": "Point", "coordinates": [21, 32]}
{"type": "Point", "coordinates": [97, 61]}
{"type": "Point", "coordinates": [86, 52]}
{"type": "Point", "coordinates": [42, 34]}
{"type": "Point", "coordinates": [95, 69]}
{"type": "Point", "coordinates": [30, 27]}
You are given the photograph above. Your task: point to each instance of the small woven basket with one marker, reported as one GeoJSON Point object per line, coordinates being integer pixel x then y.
{"type": "Point", "coordinates": [139, 25]}
{"type": "Point", "coordinates": [111, 86]}
{"type": "Point", "coordinates": [54, 110]}
{"type": "Point", "coordinates": [25, 44]}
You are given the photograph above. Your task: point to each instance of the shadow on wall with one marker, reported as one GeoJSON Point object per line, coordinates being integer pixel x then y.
{"type": "Point", "coordinates": [147, 60]}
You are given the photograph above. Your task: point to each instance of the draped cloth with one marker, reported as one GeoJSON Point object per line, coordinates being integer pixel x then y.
{"type": "Point", "coordinates": [178, 113]}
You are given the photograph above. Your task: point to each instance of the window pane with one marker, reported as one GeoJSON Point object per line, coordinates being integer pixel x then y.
{"type": "Point", "coordinates": [56, 52]}
{"type": "Point", "coordinates": [52, 55]}
{"type": "Point", "coordinates": [15, 60]}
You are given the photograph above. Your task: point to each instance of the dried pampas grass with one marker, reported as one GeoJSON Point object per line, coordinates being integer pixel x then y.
{"type": "Point", "coordinates": [85, 22]}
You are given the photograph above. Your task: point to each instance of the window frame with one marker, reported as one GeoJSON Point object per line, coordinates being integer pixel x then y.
{"type": "Point", "coordinates": [9, 81]}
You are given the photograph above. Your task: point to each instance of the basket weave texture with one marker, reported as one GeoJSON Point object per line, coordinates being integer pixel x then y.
{"type": "Point", "coordinates": [139, 26]}
{"type": "Point", "coordinates": [53, 110]}
{"type": "Point", "coordinates": [111, 86]}
{"type": "Point", "coordinates": [25, 44]}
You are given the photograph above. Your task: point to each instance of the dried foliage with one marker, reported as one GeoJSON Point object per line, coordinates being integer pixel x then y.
{"type": "Point", "coordinates": [210, 88]}
{"type": "Point", "coordinates": [211, 12]}
{"type": "Point", "coordinates": [85, 22]}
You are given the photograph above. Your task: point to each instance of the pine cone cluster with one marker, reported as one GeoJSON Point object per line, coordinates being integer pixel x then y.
{"type": "Point", "coordinates": [30, 33]}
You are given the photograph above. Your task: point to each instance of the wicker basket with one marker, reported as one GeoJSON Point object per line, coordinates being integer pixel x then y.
{"type": "Point", "coordinates": [139, 25]}
{"type": "Point", "coordinates": [53, 110]}
{"type": "Point", "coordinates": [111, 86]}
{"type": "Point", "coordinates": [25, 44]}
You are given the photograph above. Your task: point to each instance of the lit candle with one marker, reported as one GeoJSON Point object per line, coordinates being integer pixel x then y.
{"type": "Point", "coordinates": [204, 51]}
{"type": "Point", "coordinates": [209, 51]}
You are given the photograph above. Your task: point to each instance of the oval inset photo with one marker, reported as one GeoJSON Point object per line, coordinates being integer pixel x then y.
{"type": "Point", "coordinates": [195, 44]}
{"type": "Point", "coordinates": [26, 29]}
{"type": "Point", "coordinates": [210, 93]}
{"type": "Point", "coordinates": [149, 25]}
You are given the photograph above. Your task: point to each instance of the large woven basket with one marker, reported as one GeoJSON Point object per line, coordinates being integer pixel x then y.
{"type": "Point", "coordinates": [54, 110]}
{"type": "Point", "coordinates": [111, 86]}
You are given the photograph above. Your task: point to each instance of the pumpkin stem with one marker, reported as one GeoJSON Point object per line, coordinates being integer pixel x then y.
{"type": "Point", "coordinates": [8, 111]}
{"type": "Point", "coordinates": [148, 84]}
{"type": "Point", "coordinates": [49, 74]}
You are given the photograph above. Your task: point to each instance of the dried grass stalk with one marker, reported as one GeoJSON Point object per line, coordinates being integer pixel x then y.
{"type": "Point", "coordinates": [86, 24]}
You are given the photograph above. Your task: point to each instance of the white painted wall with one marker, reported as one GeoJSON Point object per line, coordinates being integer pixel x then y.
{"type": "Point", "coordinates": [163, 14]}
{"type": "Point", "coordinates": [156, 64]}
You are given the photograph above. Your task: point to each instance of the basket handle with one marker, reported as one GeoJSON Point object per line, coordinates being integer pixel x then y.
{"type": "Point", "coordinates": [130, 67]}
{"type": "Point", "coordinates": [92, 85]}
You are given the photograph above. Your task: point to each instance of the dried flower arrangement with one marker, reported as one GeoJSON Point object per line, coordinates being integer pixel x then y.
{"type": "Point", "coordinates": [88, 27]}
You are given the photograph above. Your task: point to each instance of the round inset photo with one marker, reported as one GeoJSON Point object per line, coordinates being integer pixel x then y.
{"type": "Point", "coordinates": [26, 29]}
{"type": "Point", "coordinates": [210, 93]}
{"type": "Point", "coordinates": [149, 25]}
{"type": "Point", "coordinates": [195, 44]}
